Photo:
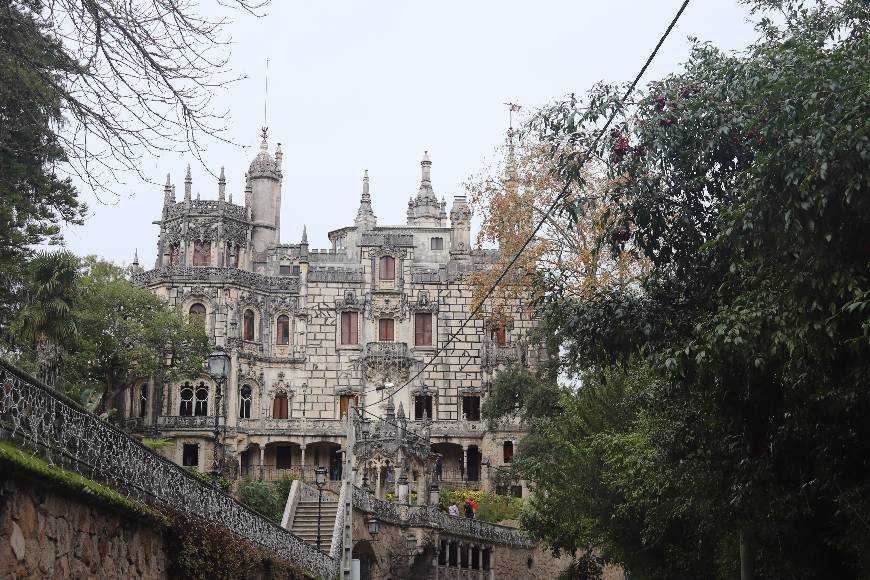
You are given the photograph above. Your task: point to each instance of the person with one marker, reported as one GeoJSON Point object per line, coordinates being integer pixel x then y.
{"type": "Point", "coordinates": [453, 510]}
{"type": "Point", "coordinates": [473, 507]}
{"type": "Point", "coordinates": [439, 468]}
{"type": "Point", "coordinates": [469, 511]}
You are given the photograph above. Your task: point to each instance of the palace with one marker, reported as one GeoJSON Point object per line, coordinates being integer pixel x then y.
{"type": "Point", "coordinates": [311, 330]}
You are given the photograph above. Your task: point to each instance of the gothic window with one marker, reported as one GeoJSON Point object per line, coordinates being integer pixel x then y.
{"type": "Point", "coordinates": [349, 328]}
{"type": "Point", "coordinates": [422, 404]}
{"type": "Point", "coordinates": [508, 451]}
{"type": "Point", "coordinates": [471, 407]}
{"type": "Point", "coordinates": [344, 404]}
{"type": "Point", "coordinates": [190, 455]}
{"type": "Point", "coordinates": [385, 329]}
{"type": "Point", "coordinates": [283, 328]}
{"type": "Point", "coordinates": [196, 316]}
{"type": "Point", "coordinates": [143, 400]}
{"type": "Point", "coordinates": [423, 329]}
{"type": "Point", "coordinates": [284, 270]}
{"type": "Point", "coordinates": [498, 335]}
{"type": "Point", "coordinates": [200, 406]}
{"type": "Point", "coordinates": [248, 325]}
{"type": "Point", "coordinates": [201, 253]}
{"type": "Point", "coordinates": [280, 408]}
{"type": "Point", "coordinates": [186, 408]}
{"type": "Point", "coordinates": [245, 402]}
{"type": "Point", "coordinates": [388, 268]}
{"type": "Point", "coordinates": [283, 457]}
{"type": "Point", "coordinates": [232, 256]}
{"type": "Point", "coordinates": [436, 244]}
{"type": "Point", "coordinates": [174, 254]}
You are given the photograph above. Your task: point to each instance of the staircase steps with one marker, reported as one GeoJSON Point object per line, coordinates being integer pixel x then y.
{"type": "Point", "coordinates": [305, 523]}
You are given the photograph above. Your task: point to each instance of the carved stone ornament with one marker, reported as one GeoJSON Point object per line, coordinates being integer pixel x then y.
{"type": "Point", "coordinates": [349, 302]}
{"type": "Point", "coordinates": [424, 303]}
{"type": "Point", "coordinates": [398, 253]}
{"type": "Point", "coordinates": [386, 305]}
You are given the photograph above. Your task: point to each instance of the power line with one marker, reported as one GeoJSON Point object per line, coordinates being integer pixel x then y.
{"type": "Point", "coordinates": [553, 205]}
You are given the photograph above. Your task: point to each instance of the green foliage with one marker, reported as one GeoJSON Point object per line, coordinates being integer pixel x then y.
{"type": "Point", "coordinates": [262, 497]}
{"type": "Point", "coordinates": [726, 393]}
{"type": "Point", "coordinates": [201, 551]}
{"type": "Point", "coordinates": [34, 199]}
{"type": "Point", "coordinates": [491, 507]}
{"type": "Point", "coordinates": [222, 482]}
{"type": "Point", "coordinates": [516, 390]}
{"type": "Point", "coordinates": [157, 444]}
{"type": "Point", "coordinates": [121, 332]}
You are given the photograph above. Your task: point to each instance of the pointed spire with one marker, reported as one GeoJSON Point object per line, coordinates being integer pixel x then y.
{"type": "Point", "coordinates": [222, 186]}
{"type": "Point", "coordinates": [365, 215]}
{"type": "Point", "coordinates": [136, 257]}
{"type": "Point", "coordinates": [168, 192]}
{"type": "Point", "coordinates": [279, 156]}
{"type": "Point", "coordinates": [264, 144]}
{"type": "Point", "coordinates": [188, 184]}
{"type": "Point", "coordinates": [511, 165]}
{"type": "Point", "coordinates": [400, 413]}
{"type": "Point", "coordinates": [305, 234]}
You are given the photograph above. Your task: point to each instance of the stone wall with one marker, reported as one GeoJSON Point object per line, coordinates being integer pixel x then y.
{"type": "Point", "coordinates": [46, 534]}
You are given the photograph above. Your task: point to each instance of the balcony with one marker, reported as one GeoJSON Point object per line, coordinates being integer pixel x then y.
{"type": "Point", "coordinates": [386, 361]}
{"type": "Point", "coordinates": [178, 422]}
{"type": "Point", "coordinates": [495, 355]}
{"type": "Point", "coordinates": [295, 426]}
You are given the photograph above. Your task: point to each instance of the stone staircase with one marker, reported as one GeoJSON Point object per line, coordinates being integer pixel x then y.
{"type": "Point", "coordinates": [305, 521]}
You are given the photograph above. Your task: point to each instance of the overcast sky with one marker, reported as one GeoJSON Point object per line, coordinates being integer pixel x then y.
{"type": "Point", "coordinates": [371, 85]}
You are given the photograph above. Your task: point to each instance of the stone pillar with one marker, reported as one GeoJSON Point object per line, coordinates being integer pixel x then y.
{"type": "Point", "coordinates": [434, 496]}
{"type": "Point", "coordinates": [402, 490]}
{"type": "Point", "coordinates": [464, 469]}
{"type": "Point", "coordinates": [302, 474]}
{"type": "Point", "coordinates": [422, 488]}
{"type": "Point", "coordinates": [378, 482]}
{"type": "Point", "coordinates": [262, 460]}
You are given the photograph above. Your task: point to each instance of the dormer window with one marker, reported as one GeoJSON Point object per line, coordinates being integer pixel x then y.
{"type": "Point", "coordinates": [387, 268]}
{"type": "Point", "coordinates": [436, 244]}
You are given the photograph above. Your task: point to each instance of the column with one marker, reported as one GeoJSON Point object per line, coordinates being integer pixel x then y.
{"type": "Point", "coordinates": [302, 474]}
{"type": "Point", "coordinates": [422, 488]}
{"type": "Point", "coordinates": [262, 460]}
{"type": "Point", "coordinates": [465, 463]}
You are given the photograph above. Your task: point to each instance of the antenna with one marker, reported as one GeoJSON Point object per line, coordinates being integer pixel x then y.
{"type": "Point", "coordinates": [266, 97]}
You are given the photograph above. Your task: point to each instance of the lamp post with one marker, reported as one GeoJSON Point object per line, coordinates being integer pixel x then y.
{"type": "Point", "coordinates": [374, 526]}
{"type": "Point", "coordinates": [219, 369]}
{"type": "Point", "coordinates": [319, 481]}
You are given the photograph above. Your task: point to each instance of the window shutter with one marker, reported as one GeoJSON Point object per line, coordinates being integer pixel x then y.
{"type": "Point", "coordinates": [423, 329]}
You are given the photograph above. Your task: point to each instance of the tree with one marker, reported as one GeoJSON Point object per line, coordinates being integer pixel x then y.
{"type": "Point", "coordinates": [744, 183]}
{"type": "Point", "coordinates": [122, 330]}
{"type": "Point", "coordinates": [47, 320]}
{"type": "Point", "coordinates": [34, 199]}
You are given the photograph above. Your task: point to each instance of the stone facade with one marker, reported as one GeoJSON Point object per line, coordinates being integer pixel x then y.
{"type": "Point", "coordinates": [310, 330]}
{"type": "Point", "coordinates": [44, 534]}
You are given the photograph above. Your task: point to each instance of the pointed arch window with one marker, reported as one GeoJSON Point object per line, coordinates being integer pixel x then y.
{"type": "Point", "coordinates": [186, 407]}
{"type": "Point", "coordinates": [280, 406]}
{"type": "Point", "coordinates": [283, 328]}
{"type": "Point", "coordinates": [387, 268]}
{"type": "Point", "coordinates": [245, 396]}
{"type": "Point", "coordinates": [196, 316]}
{"type": "Point", "coordinates": [201, 253]}
{"type": "Point", "coordinates": [248, 325]}
{"type": "Point", "coordinates": [200, 404]}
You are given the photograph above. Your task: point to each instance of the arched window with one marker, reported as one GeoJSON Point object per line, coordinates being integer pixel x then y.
{"type": "Point", "coordinates": [508, 451]}
{"type": "Point", "coordinates": [388, 268]}
{"type": "Point", "coordinates": [197, 316]}
{"type": "Point", "coordinates": [283, 330]}
{"type": "Point", "coordinates": [200, 408]}
{"type": "Point", "coordinates": [174, 254]}
{"type": "Point", "coordinates": [186, 408]}
{"type": "Point", "coordinates": [245, 402]}
{"type": "Point", "coordinates": [248, 325]}
{"type": "Point", "coordinates": [143, 400]}
{"type": "Point", "coordinates": [280, 407]}
{"type": "Point", "coordinates": [201, 253]}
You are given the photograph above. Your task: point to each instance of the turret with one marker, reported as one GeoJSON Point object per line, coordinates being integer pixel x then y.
{"type": "Point", "coordinates": [424, 210]}
{"type": "Point", "coordinates": [188, 184]}
{"type": "Point", "coordinates": [365, 216]}
{"type": "Point", "coordinates": [264, 197]}
{"type": "Point", "coordinates": [303, 245]}
{"type": "Point", "coordinates": [168, 194]}
{"type": "Point", "coordinates": [222, 187]}
{"type": "Point", "coordinates": [460, 226]}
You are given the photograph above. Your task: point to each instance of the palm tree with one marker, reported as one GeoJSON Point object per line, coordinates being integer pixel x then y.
{"type": "Point", "coordinates": [47, 318]}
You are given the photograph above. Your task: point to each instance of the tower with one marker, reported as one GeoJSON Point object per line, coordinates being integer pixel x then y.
{"type": "Point", "coordinates": [264, 198]}
{"type": "Point", "coordinates": [424, 209]}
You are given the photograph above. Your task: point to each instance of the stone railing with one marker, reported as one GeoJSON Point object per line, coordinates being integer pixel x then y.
{"type": "Point", "coordinates": [210, 274]}
{"type": "Point", "coordinates": [295, 426]}
{"type": "Point", "coordinates": [457, 428]}
{"type": "Point", "coordinates": [327, 274]}
{"type": "Point", "coordinates": [208, 207]}
{"type": "Point", "coordinates": [392, 240]}
{"type": "Point", "coordinates": [432, 517]}
{"type": "Point", "coordinates": [179, 422]}
{"type": "Point", "coordinates": [38, 418]}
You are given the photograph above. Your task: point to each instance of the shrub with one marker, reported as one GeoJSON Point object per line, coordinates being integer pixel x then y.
{"type": "Point", "coordinates": [260, 496]}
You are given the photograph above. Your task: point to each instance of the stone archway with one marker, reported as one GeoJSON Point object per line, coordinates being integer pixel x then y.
{"type": "Point", "coordinates": [364, 552]}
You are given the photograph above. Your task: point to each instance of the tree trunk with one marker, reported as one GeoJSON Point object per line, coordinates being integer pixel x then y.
{"type": "Point", "coordinates": [746, 556]}
{"type": "Point", "coordinates": [49, 359]}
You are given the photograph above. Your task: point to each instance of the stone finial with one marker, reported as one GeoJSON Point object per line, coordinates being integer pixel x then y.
{"type": "Point", "coordinates": [136, 257]}
{"type": "Point", "coordinates": [188, 184]}
{"type": "Point", "coordinates": [279, 156]}
{"type": "Point", "coordinates": [365, 215]}
{"type": "Point", "coordinates": [264, 144]}
{"type": "Point", "coordinates": [222, 186]}
{"type": "Point", "coordinates": [168, 192]}
{"type": "Point", "coordinates": [365, 191]}
{"type": "Point", "coordinates": [305, 235]}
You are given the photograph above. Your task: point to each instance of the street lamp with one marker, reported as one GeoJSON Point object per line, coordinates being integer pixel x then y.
{"type": "Point", "coordinates": [374, 526]}
{"type": "Point", "coordinates": [319, 481]}
{"type": "Point", "coordinates": [219, 369]}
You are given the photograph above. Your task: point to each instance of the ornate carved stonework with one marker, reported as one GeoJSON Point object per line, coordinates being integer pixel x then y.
{"type": "Point", "coordinates": [386, 305]}
{"type": "Point", "coordinates": [424, 303]}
